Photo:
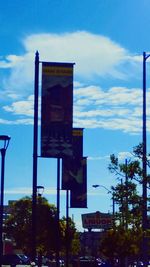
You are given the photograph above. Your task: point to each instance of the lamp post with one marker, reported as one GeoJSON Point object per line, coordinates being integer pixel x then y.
{"type": "Point", "coordinates": [40, 190]}
{"type": "Point", "coordinates": [98, 185]}
{"type": "Point", "coordinates": [5, 140]}
{"type": "Point", "coordinates": [144, 161]}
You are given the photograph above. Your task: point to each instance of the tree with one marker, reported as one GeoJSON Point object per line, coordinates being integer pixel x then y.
{"type": "Point", "coordinates": [18, 225]}
{"type": "Point", "coordinates": [70, 237]}
{"type": "Point", "coordinates": [75, 245]}
{"type": "Point", "coordinates": [125, 192]}
{"type": "Point", "coordinates": [126, 236]}
{"type": "Point", "coordinates": [133, 168]}
{"type": "Point", "coordinates": [120, 243]}
{"type": "Point", "coordinates": [129, 204]}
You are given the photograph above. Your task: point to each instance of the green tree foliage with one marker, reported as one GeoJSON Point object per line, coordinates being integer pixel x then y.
{"type": "Point", "coordinates": [125, 239]}
{"type": "Point", "coordinates": [18, 226]}
{"type": "Point", "coordinates": [75, 245]}
{"type": "Point", "coordinates": [129, 204]}
{"type": "Point", "coordinates": [133, 169]}
{"type": "Point", "coordinates": [120, 243]}
{"type": "Point", "coordinates": [130, 174]}
{"type": "Point", "coordinates": [70, 237]}
{"type": "Point", "coordinates": [71, 229]}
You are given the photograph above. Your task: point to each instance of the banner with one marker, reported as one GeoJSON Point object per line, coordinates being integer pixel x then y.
{"type": "Point", "coordinates": [74, 171]}
{"type": "Point", "coordinates": [71, 164]}
{"type": "Point", "coordinates": [77, 142]}
{"type": "Point", "coordinates": [78, 194]}
{"type": "Point", "coordinates": [56, 109]}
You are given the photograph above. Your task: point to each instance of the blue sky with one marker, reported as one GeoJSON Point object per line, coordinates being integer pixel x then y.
{"type": "Point", "coordinates": [105, 39]}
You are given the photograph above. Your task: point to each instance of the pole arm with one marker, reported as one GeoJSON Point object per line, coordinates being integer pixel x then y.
{"type": "Point", "coordinates": [99, 185]}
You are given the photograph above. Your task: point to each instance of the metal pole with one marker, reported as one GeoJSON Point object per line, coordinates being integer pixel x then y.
{"type": "Point", "coordinates": [3, 152]}
{"type": "Point", "coordinates": [126, 182]}
{"type": "Point", "coordinates": [122, 205]}
{"type": "Point", "coordinates": [144, 210]}
{"type": "Point", "coordinates": [35, 149]}
{"type": "Point", "coordinates": [58, 212]}
{"type": "Point", "coordinates": [113, 209]}
{"type": "Point", "coordinates": [126, 205]}
{"type": "Point", "coordinates": [67, 227]}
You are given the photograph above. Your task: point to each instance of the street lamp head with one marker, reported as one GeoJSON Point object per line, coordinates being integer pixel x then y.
{"type": "Point", "coordinates": [5, 139]}
{"type": "Point", "coordinates": [95, 185]}
{"type": "Point", "coordinates": [40, 190]}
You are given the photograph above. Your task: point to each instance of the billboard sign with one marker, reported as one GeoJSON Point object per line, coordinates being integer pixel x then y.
{"type": "Point", "coordinates": [97, 220]}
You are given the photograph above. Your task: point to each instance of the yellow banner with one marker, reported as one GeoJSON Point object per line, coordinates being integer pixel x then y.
{"type": "Point", "coordinates": [57, 71]}
{"type": "Point", "coordinates": [77, 132]}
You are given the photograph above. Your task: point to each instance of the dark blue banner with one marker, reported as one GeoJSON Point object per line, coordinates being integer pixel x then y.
{"type": "Point", "coordinates": [74, 178]}
{"type": "Point", "coordinates": [78, 194]}
{"type": "Point", "coordinates": [56, 109]}
{"type": "Point", "coordinates": [72, 164]}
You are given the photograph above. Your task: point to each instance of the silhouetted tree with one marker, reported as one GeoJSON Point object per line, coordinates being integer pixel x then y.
{"type": "Point", "coordinates": [18, 226]}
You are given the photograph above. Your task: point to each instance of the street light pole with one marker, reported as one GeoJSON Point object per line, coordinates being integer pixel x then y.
{"type": "Point", "coordinates": [5, 140]}
{"type": "Point", "coordinates": [40, 190]}
{"type": "Point", "coordinates": [35, 156]}
{"type": "Point", "coordinates": [144, 161]}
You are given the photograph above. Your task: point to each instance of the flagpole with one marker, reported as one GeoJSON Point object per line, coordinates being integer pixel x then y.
{"type": "Point", "coordinates": [35, 157]}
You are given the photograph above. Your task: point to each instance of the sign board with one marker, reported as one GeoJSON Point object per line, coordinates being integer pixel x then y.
{"type": "Point", "coordinates": [97, 220]}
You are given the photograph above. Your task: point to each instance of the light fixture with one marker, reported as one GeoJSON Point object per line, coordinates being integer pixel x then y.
{"type": "Point", "coordinates": [5, 140]}
{"type": "Point", "coordinates": [40, 190]}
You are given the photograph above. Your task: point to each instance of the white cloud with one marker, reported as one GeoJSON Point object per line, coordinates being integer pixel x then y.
{"type": "Point", "coordinates": [96, 56]}
{"type": "Point", "coordinates": [17, 122]}
{"type": "Point", "coordinates": [11, 61]}
{"type": "Point", "coordinates": [124, 125]}
{"type": "Point", "coordinates": [28, 191]}
{"type": "Point", "coordinates": [116, 109]}
{"type": "Point", "coordinates": [24, 107]}
{"type": "Point", "coordinates": [4, 121]}
{"type": "Point", "coordinates": [124, 155]}
{"type": "Point", "coordinates": [19, 190]}
{"type": "Point", "coordinates": [93, 54]}
{"type": "Point", "coordinates": [98, 157]}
